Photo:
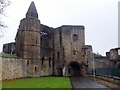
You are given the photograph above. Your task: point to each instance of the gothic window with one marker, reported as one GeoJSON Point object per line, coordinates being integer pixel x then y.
{"type": "Point", "coordinates": [45, 39]}
{"type": "Point", "coordinates": [75, 37]}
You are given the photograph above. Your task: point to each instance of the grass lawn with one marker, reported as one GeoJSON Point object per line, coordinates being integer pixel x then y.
{"type": "Point", "coordinates": [41, 82]}
{"type": "Point", "coordinates": [8, 55]}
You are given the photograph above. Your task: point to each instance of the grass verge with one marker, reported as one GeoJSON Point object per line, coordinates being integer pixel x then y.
{"type": "Point", "coordinates": [8, 55]}
{"type": "Point", "coordinates": [41, 82]}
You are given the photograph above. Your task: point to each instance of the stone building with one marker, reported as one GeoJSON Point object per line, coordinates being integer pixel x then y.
{"type": "Point", "coordinates": [52, 51]}
{"type": "Point", "coordinates": [9, 48]}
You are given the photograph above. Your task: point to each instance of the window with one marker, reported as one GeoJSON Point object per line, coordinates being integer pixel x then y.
{"type": "Point", "coordinates": [42, 60]}
{"type": "Point", "coordinates": [75, 37]}
{"type": "Point", "coordinates": [35, 69]}
{"type": "Point", "coordinates": [50, 62]}
{"type": "Point", "coordinates": [83, 55]}
{"type": "Point", "coordinates": [74, 52]}
{"type": "Point", "coordinates": [28, 62]}
{"type": "Point", "coordinates": [58, 54]}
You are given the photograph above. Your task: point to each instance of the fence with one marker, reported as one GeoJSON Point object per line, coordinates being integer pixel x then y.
{"type": "Point", "coordinates": [108, 71]}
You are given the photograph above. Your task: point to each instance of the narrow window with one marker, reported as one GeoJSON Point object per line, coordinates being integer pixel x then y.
{"type": "Point", "coordinates": [75, 37]}
{"type": "Point", "coordinates": [42, 62]}
{"type": "Point", "coordinates": [28, 62]}
{"type": "Point", "coordinates": [35, 69]}
{"type": "Point", "coordinates": [58, 54]}
{"type": "Point", "coordinates": [50, 62]}
{"type": "Point", "coordinates": [83, 55]}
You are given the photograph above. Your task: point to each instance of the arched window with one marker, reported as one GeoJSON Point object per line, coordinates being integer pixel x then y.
{"type": "Point", "coordinates": [75, 37]}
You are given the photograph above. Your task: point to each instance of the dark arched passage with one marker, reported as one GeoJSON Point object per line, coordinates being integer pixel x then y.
{"type": "Point", "coordinates": [74, 69]}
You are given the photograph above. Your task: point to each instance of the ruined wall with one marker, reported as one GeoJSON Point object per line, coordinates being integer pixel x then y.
{"type": "Point", "coordinates": [46, 68]}
{"type": "Point", "coordinates": [103, 66]}
{"type": "Point", "coordinates": [114, 54]}
{"type": "Point", "coordinates": [12, 68]}
{"type": "Point", "coordinates": [103, 63]}
{"type": "Point", "coordinates": [87, 56]}
{"type": "Point", "coordinates": [9, 48]}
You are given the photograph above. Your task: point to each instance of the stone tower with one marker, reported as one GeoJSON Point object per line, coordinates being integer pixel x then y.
{"type": "Point", "coordinates": [28, 41]}
{"type": "Point", "coordinates": [69, 40]}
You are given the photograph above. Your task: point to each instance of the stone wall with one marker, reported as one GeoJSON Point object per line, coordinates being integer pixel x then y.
{"type": "Point", "coordinates": [12, 68]}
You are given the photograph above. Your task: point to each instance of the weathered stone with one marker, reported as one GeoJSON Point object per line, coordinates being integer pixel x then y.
{"type": "Point", "coordinates": [48, 50]}
{"type": "Point", "coordinates": [12, 68]}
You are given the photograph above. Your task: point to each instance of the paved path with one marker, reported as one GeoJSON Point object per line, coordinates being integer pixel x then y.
{"type": "Point", "coordinates": [81, 82]}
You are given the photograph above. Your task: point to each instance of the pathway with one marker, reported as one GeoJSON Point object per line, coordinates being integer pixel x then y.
{"type": "Point", "coordinates": [79, 83]}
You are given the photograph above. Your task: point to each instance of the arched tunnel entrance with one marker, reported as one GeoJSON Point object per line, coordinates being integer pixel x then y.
{"type": "Point", "coordinates": [74, 69]}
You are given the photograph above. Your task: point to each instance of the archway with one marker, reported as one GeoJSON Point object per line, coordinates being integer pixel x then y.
{"type": "Point", "coordinates": [74, 69]}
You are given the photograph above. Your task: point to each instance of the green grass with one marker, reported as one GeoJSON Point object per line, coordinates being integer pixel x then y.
{"type": "Point", "coordinates": [8, 55]}
{"type": "Point", "coordinates": [41, 82]}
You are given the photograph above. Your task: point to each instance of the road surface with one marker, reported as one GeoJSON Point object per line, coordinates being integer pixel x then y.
{"type": "Point", "coordinates": [84, 83]}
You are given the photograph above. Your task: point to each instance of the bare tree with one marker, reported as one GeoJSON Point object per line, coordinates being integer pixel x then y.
{"type": "Point", "coordinates": [3, 5]}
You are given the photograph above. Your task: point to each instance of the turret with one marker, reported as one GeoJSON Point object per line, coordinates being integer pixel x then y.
{"type": "Point", "coordinates": [28, 41]}
{"type": "Point", "coordinates": [32, 12]}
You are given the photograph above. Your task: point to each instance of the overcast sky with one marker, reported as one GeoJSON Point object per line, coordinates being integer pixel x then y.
{"type": "Point", "coordinates": [100, 18]}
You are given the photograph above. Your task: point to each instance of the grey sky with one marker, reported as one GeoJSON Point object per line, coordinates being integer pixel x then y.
{"type": "Point", "coordinates": [100, 18]}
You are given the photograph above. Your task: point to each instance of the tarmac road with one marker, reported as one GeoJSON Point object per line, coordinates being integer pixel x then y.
{"type": "Point", "coordinates": [82, 83]}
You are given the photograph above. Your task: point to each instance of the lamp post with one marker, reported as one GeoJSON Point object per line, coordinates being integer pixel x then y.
{"type": "Point", "coordinates": [93, 66]}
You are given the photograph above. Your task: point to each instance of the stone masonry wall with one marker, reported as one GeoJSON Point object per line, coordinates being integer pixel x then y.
{"type": "Point", "coordinates": [12, 68]}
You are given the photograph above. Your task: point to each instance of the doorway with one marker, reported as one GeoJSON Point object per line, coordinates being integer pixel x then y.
{"type": "Point", "coordinates": [74, 69]}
